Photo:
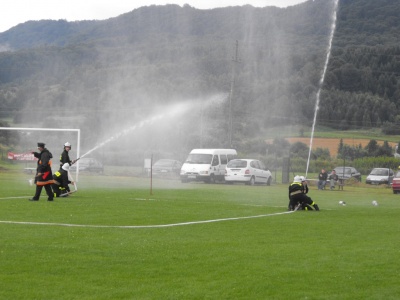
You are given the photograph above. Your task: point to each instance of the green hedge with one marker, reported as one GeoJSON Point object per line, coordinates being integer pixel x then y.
{"type": "Point", "coordinates": [363, 165]}
{"type": "Point", "coordinates": [366, 164]}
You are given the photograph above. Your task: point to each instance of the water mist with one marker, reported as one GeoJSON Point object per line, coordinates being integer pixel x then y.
{"type": "Point", "coordinates": [172, 111]}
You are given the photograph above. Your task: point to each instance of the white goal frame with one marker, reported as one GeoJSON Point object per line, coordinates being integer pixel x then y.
{"type": "Point", "coordinates": [78, 141]}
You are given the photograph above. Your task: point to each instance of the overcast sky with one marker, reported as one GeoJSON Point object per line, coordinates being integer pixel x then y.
{"type": "Point", "coordinates": [14, 12]}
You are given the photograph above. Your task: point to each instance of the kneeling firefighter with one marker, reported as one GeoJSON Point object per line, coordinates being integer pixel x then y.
{"type": "Point", "coordinates": [61, 181]}
{"type": "Point", "coordinates": [297, 195]}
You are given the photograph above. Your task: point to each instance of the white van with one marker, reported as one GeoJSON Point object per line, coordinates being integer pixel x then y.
{"type": "Point", "coordinates": [206, 165]}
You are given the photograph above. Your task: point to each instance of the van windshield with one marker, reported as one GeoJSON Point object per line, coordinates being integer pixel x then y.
{"type": "Point", "coordinates": [199, 159]}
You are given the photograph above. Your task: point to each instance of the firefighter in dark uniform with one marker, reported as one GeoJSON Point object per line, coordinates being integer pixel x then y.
{"type": "Point", "coordinates": [61, 181]}
{"type": "Point", "coordinates": [307, 205]}
{"type": "Point", "coordinates": [298, 198]}
{"type": "Point", "coordinates": [44, 177]}
{"type": "Point", "coordinates": [64, 158]}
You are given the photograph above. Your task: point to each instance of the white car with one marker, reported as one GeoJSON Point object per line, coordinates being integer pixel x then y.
{"type": "Point", "coordinates": [248, 171]}
{"type": "Point", "coordinates": [380, 176]}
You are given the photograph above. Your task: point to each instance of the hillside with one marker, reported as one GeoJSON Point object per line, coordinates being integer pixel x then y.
{"type": "Point", "coordinates": [106, 75]}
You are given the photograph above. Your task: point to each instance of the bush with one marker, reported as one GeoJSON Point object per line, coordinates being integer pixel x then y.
{"type": "Point", "coordinates": [390, 128]}
{"type": "Point", "coordinates": [298, 165]}
{"type": "Point", "coordinates": [366, 164]}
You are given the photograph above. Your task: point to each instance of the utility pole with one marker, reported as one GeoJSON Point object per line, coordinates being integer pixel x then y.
{"type": "Point", "coordinates": [201, 125]}
{"type": "Point", "coordinates": [235, 61]}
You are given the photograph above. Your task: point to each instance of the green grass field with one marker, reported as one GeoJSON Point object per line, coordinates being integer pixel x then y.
{"type": "Point", "coordinates": [114, 239]}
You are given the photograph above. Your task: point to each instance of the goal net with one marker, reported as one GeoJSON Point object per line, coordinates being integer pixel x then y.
{"type": "Point", "coordinates": [54, 138]}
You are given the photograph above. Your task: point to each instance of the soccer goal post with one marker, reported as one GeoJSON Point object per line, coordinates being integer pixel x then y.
{"type": "Point", "coordinates": [78, 139]}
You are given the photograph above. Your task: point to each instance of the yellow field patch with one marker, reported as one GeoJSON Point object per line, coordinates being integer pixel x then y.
{"type": "Point", "coordinates": [332, 143]}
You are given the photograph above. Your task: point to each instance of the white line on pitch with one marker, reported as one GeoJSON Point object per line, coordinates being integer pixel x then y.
{"type": "Point", "coordinates": [145, 226]}
{"type": "Point", "coordinates": [20, 197]}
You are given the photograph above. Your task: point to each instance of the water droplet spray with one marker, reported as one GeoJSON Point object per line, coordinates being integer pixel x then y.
{"type": "Point", "coordinates": [321, 81]}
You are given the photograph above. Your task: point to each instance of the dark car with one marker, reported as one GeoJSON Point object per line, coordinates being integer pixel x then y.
{"type": "Point", "coordinates": [347, 173]}
{"type": "Point", "coordinates": [167, 167]}
{"type": "Point", "coordinates": [88, 164]}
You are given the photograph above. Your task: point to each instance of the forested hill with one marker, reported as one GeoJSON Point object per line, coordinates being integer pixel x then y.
{"type": "Point", "coordinates": [121, 68]}
{"type": "Point", "coordinates": [362, 88]}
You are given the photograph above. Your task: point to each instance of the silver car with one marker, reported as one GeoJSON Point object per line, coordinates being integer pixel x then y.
{"type": "Point", "coordinates": [89, 165]}
{"type": "Point", "coordinates": [380, 176]}
{"type": "Point", "coordinates": [248, 171]}
{"type": "Point", "coordinates": [167, 167]}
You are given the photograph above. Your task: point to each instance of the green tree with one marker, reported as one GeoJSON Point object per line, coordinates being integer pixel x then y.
{"type": "Point", "coordinates": [299, 149]}
{"type": "Point", "coordinates": [372, 148]}
{"type": "Point", "coordinates": [385, 150]}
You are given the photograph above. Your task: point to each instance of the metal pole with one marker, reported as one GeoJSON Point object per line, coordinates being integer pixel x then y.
{"type": "Point", "coordinates": [78, 150]}
{"type": "Point", "coordinates": [235, 61]}
{"type": "Point", "coordinates": [151, 175]}
{"type": "Point", "coordinates": [201, 126]}
{"type": "Point", "coordinates": [230, 113]}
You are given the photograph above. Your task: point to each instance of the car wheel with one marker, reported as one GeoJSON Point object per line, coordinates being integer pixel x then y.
{"type": "Point", "coordinates": [269, 181]}
{"type": "Point", "coordinates": [252, 180]}
{"type": "Point", "coordinates": [211, 179]}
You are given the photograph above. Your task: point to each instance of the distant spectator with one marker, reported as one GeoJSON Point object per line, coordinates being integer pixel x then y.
{"type": "Point", "coordinates": [333, 179]}
{"type": "Point", "coordinates": [322, 178]}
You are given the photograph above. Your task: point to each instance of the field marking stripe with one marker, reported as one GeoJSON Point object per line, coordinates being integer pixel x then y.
{"type": "Point", "coordinates": [145, 226]}
{"type": "Point", "coordinates": [6, 198]}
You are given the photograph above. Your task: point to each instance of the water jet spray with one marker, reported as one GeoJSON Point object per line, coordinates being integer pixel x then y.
{"type": "Point", "coordinates": [328, 54]}
{"type": "Point", "coordinates": [173, 111]}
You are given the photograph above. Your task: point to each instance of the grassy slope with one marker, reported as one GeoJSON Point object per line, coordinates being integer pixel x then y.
{"type": "Point", "coordinates": [342, 252]}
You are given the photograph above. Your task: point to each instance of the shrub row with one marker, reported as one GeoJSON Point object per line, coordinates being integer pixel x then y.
{"type": "Point", "coordinates": [363, 165]}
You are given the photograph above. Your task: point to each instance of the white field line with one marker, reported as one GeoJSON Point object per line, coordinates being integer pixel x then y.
{"type": "Point", "coordinates": [146, 226]}
{"type": "Point", "coordinates": [20, 197]}
{"type": "Point", "coordinates": [44, 197]}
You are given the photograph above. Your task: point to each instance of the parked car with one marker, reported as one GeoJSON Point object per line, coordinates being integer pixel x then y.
{"type": "Point", "coordinates": [167, 167]}
{"type": "Point", "coordinates": [380, 176]}
{"type": "Point", "coordinates": [207, 165]}
{"type": "Point", "coordinates": [248, 171]}
{"type": "Point", "coordinates": [88, 164]}
{"type": "Point", "coordinates": [396, 183]}
{"type": "Point", "coordinates": [347, 173]}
